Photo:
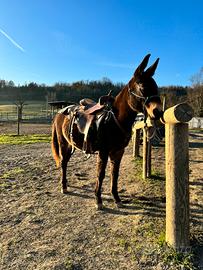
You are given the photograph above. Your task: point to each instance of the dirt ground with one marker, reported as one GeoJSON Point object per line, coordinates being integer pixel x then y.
{"type": "Point", "coordinates": [42, 229]}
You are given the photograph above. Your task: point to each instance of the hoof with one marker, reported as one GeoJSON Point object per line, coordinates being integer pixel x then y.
{"type": "Point", "coordinates": [64, 191]}
{"type": "Point", "coordinates": [119, 205]}
{"type": "Point", "coordinates": [99, 206]}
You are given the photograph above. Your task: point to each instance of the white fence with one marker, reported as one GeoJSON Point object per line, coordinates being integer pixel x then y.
{"type": "Point", "coordinates": [196, 122]}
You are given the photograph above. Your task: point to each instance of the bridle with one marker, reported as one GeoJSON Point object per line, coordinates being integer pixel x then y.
{"type": "Point", "coordinates": [146, 100]}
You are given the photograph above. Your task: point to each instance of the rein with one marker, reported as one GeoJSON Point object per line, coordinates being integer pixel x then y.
{"type": "Point", "coordinates": [146, 99]}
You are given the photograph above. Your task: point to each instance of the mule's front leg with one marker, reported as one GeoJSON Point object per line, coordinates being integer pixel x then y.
{"type": "Point", "coordinates": [115, 158]}
{"type": "Point", "coordinates": [101, 166]}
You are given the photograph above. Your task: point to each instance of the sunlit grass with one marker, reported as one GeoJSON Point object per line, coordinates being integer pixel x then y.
{"type": "Point", "coordinates": [11, 173]}
{"type": "Point", "coordinates": [34, 107]}
{"type": "Point", "coordinates": [24, 139]}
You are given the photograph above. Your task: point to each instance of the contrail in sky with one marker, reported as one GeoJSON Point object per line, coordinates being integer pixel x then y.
{"type": "Point", "coordinates": [11, 40]}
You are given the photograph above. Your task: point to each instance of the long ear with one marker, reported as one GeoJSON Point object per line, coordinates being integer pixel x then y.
{"type": "Point", "coordinates": [140, 69]}
{"type": "Point", "coordinates": [151, 70]}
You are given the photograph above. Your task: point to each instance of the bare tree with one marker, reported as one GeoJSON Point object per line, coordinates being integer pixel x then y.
{"type": "Point", "coordinates": [195, 95]}
{"type": "Point", "coordinates": [19, 102]}
{"type": "Point", "coordinates": [197, 79]}
{"type": "Point", "coordinates": [19, 107]}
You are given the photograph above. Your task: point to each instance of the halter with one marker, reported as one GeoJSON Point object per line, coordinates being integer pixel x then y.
{"type": "Point", "coordinates": [146, 100]}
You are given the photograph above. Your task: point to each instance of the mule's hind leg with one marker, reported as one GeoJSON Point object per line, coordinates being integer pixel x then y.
{"type": "Point", "coordinates": [115, 159]}
{"type": "Point", "coordinates": [101, 166]}
{"type": "Point", "coordinates": [65, 154]}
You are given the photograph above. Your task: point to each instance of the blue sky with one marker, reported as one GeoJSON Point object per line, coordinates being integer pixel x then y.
{"type": "Point", "coordinates": [50, 41]}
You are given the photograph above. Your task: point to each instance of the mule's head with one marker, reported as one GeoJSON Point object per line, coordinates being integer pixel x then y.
{"type": "Point", "coordinates": [143, 90]}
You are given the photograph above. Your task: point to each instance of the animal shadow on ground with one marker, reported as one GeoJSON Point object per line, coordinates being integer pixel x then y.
{"type": "Point", "coordinates": [136, 205]}
{"type": "Point", "coordinates": [131, 204]}
{"type": "Point", "coordinates": [196, 209]}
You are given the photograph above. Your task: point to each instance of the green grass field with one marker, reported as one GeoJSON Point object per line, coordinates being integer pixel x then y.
{"type": "Point", "coordinates": [32, 109]}
{"type": "Point", "coordinates": [24, 139]}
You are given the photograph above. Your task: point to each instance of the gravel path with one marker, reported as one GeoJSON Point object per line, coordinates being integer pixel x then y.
{"type": "Point", "coordinates": [40, 228]}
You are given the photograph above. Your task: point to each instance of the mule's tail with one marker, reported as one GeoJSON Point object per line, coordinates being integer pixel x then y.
{"type": "Point", "coordinates": [55, 145]}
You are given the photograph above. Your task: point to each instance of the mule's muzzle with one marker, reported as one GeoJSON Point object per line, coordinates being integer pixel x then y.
{"type": "Point", "coordinates": [157, 114]}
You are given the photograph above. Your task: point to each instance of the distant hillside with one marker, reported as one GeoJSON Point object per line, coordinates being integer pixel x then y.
{"type": "Point", "coordinates": [93, 89]}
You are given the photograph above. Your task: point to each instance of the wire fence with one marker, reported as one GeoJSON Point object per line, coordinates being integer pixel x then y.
{"type": "Point", "coordinates": [40, 117]}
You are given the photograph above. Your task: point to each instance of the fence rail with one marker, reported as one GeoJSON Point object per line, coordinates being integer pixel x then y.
{"type": "Point", "coordinates": [10, 116]}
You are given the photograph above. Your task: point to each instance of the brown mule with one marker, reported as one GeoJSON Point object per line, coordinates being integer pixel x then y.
{"type": "Point", "coordinates": [139, 95]}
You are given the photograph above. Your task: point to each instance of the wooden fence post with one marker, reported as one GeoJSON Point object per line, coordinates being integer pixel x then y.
{"type": "Point", "coordinates": [149, 154]}
{"type": "Point", "coordinates": [146, 170]}
{"type": "Point", "coordinates": [177, 175]}
{"type": "Point", "coordinates": [144, 154]}
{"type": "Point", "coordinates": [136, 143]}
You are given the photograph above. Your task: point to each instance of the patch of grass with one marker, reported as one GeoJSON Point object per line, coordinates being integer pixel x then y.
{"type": "Point", "coordinates": [176, 259]}
{"type": "Point", "coordinates": [12, 173]}
{"type": "Point", "coordinates": [161, 239]}
{"type": "Point", "coordinates": [7, 180]}
{"type": "Point", "coordinates": [137, 161]}
{"type": "Point", "coordinates": [70, 265]}
{"type": "Point", "coordinates": [5, 185]}
{"type": "Point", "coordinates": [155, 250]}
{"type": "Point", "coordinates": [24, 139]}
{"type": "Point", "coordinates": [156, 175]}
{"type": "Point", "coordinates": [138, 167]}
{"type": "Point", "coordinates": [123, 243]}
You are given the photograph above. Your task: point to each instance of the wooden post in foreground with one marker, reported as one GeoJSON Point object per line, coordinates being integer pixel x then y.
{"type": "Point", "coordinates": [177, 175]}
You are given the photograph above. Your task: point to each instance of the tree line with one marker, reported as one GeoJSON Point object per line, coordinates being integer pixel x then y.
{"type": "Point", "coordinates": [73, 92]}
{"type": "Point", "coordinates": [60, 91]}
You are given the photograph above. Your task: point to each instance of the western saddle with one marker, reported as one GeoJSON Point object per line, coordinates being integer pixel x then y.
{"type": "Point", "coordinates": [87, 116]}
